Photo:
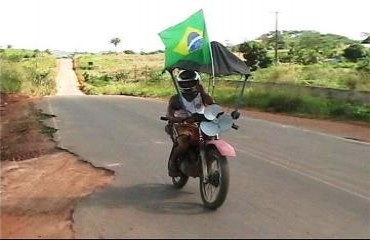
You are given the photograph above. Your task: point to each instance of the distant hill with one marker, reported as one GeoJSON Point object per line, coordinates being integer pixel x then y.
{"type": "Point", "coordinates": [306, 39]}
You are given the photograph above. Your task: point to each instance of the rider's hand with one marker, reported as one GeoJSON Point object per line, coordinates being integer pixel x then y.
{"type": "Point", "coordinates": [192, 119]}
{"type": "Point", "coordinates": [197, 117]}
{"type": "Point", "coordinates": [189, 120]}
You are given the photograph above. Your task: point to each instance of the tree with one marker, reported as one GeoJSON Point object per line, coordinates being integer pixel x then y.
{"type": "Point", "coordinates": [115, 42]}
{"type": "Point", "coordinates": [255, 55]}
{"type": "Point", "coordinates": [354, 52]}
{"type": "Point", "coordinates": [366, 40]}
{"type": "Point", "coordinates": [306, 47]}
{"type": "Point", "coordinates": [365, 34]}
{"type": "Point", "coordinates": [129, 52]}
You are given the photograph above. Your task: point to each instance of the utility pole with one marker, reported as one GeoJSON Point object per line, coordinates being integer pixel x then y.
{"type": "Point", "coordinates": [276, 38]}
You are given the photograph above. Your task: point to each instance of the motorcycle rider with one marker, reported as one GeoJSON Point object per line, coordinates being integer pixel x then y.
{"type": "Point", "coordinates": [192, 100]}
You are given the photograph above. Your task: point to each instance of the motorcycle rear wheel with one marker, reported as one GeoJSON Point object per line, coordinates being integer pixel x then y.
{"type": "Point", "coordinates": [214, 190]}
{"type": "Point", "coordinates": [180, 181]}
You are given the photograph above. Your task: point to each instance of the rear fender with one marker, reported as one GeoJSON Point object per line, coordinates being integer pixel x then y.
{"type": "Point", "coordinates": [223, 147]}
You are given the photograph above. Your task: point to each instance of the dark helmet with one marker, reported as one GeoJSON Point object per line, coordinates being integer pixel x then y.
{"type": "Point", "coordinates": [188, 81]}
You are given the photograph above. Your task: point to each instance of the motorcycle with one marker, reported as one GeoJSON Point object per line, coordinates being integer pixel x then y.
{"type": "Point", "coordinates": [206, 158]}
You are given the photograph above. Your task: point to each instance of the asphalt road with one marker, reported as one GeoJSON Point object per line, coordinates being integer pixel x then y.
{"type": "Point", "coordinates": [286, 182]}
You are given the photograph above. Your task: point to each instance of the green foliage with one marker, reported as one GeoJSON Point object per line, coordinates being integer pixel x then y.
{"type": "Point", "coordinates": [21, 73]}
{"type": "Point", "coordinates": [364, 65]}
{"type": "Point", "coordinates": [255, 55]}
{"type": "Point", "coordinates": [155, 75]}
{"type": "Point", "coordinates": [340, 110]}
{"type": "Point", "coordinates": [12, 76]}
{"type": "Point", "coordinates": [142, 77]}
{"type": "Point", "coordinates": [306, 47]}
{"type": "Point", "coordinates": [354, 52]}
{"type": "Point", "coordinates": [278, 101]}
{"type": "Point", "coordinates": [318, 75]}
{"type": "Point", "coordinates": [303, 104]}
{"type": "Point", "coordinates": [367, 39]}
{"type": "Point", "coordinates": [115, 41]}
{"type": "Point", "coordinates": [128, 52]}
{"type": "Point", "coordinates": [281, 73]}
{"type": "Point", "coordinates": [120, 75]}
{"type": "Point", "coordinates": [151, 53]}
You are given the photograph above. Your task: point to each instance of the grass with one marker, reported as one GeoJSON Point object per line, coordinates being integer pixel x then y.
{"type": "Point", "coordinates": [27, 72]}
{"type": "Point", "coordinates": [317, 75]}
{"type": "Point", "coordinates": [140, 75]}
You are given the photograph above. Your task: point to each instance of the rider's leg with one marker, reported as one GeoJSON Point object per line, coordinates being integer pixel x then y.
{"type": "Point", "coordinates": [181, 146]}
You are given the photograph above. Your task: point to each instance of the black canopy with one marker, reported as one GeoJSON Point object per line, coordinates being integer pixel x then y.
{"type": "Point", "coordinates": [224, 61]}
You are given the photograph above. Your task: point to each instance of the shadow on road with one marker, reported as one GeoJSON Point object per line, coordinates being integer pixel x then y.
{"type": "Point", "coordinates": [153, 198]}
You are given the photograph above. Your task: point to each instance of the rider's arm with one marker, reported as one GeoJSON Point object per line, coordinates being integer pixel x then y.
{"type": "Point", "coordinates": [174, 105]}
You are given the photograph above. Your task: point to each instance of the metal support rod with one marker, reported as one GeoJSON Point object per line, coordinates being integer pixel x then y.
{"type": "Point", "coordinates": [177, 87]}
{"type": "Point", "coordinates": [237, 105]}
{"type": "Point", "coordinates": [276, 38]}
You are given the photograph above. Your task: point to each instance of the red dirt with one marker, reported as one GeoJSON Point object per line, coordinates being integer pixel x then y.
{"type": "Point", "coordinates": [40, 184]}
{"type": "Point", "coordinates": [351, 130]}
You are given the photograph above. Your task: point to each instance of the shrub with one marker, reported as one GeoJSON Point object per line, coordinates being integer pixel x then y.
{"type": "Point", "coordinates": [12, 76]}
{"type": "Point", "coordinates": [129, 52]}
{"type": "Point", "coordinates": [284, 103]}
{"type": "Point", "coordinates": [155, 75]}
{"type": "Point", "coordinates": [281, 73]}
{"type": "Point", "coordinates": [354, 52]}
{"type": "Point", "coordinates": [121, 75]}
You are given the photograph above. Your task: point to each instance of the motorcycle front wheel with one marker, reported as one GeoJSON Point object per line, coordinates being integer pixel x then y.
{"type": "Point", "coordinates": [215, 186]}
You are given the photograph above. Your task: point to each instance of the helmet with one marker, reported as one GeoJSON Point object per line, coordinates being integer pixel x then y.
{"type": "Point", "coordinates": [188, 81]}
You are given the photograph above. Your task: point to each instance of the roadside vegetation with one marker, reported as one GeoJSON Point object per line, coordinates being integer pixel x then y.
{"type": "Point", "coordinates": [28, 72]}
{"type": "Point", "coordinates": [305, 58]}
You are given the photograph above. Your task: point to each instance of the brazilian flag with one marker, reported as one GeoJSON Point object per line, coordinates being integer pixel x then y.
{"type": "Point", "coordinates": [187, 42]}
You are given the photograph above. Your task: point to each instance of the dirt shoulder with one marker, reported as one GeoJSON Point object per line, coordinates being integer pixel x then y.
{"type": "Point", "coordinates": [41, 184]}
{"type": "Point", "coordinates": [359, 131]}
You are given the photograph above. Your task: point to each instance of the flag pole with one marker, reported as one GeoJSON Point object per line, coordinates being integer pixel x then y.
{"type": "Point", "coordinates": [176, 86]}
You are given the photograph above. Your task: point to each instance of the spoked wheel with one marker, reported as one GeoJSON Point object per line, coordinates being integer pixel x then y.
{"type": "Point", "coordinates": [214, 188]}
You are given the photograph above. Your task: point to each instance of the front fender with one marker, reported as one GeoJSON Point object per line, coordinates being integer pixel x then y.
{"type": "Point", "coordinates": [223, 147]}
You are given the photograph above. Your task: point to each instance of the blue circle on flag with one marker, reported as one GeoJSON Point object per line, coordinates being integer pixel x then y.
{"type": "Point", "coordinates": [195, 41]}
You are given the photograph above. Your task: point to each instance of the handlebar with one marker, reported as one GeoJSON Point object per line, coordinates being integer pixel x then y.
{"type": "Point", "coordinates": [164, 118]}
{"type": "Point", "coordinates": [234, 126]}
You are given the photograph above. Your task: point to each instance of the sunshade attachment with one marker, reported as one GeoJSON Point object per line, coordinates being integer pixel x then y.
{"type": "Point", "coordinates": [224, 62]}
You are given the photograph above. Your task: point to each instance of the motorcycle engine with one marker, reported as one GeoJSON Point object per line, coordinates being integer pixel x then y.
{"type": "Point", "coordinates": [191, 165]}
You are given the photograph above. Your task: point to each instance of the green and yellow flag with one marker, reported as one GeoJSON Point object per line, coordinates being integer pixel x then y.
{"type": "Point", "coordinates": [187, 41]}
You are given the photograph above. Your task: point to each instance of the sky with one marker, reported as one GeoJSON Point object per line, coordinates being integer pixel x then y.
{"type": "Point", "coordinates": [89, 25]}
